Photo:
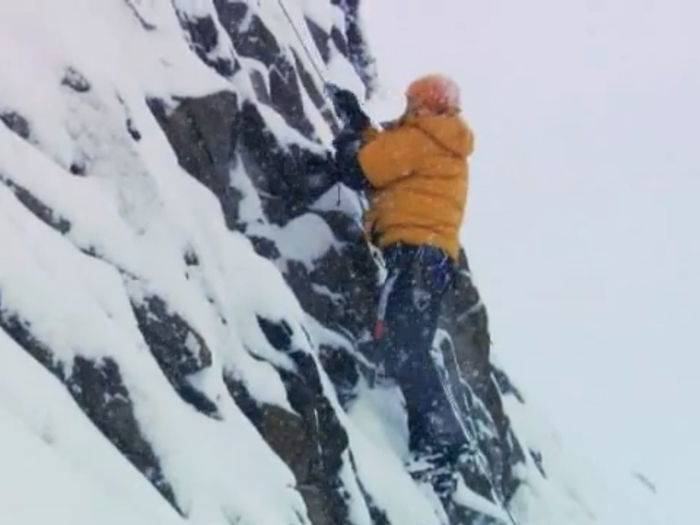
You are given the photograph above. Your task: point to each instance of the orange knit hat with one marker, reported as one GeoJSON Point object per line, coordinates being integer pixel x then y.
{"type": "Point", "coordinates": [434, 92]}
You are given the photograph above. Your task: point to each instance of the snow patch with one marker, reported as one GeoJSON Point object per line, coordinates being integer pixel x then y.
{"type": "Point", "coordinates": [305, 239]}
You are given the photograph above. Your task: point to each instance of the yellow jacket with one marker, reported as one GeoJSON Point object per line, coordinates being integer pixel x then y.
{"type": "Point", "coordinates": [419, 173]}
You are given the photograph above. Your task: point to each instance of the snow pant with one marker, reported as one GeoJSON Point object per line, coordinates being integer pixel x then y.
{"type": "Point", "coordinates": [417, 279]}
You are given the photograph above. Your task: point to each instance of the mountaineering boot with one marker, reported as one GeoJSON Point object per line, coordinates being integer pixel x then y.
{"type": "Point", "coordinates": [437, 462]}
{"type": "Point", "coordinates": [433, 468]}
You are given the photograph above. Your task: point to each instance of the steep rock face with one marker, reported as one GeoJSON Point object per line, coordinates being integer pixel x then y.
{"type": "Point", "coordinates": [348, 272]}
{"type": "Point", "coordinates": [161, 193]}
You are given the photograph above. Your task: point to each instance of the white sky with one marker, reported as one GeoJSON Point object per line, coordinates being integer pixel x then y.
{"type": "Point", "coordinates": [583, 222]}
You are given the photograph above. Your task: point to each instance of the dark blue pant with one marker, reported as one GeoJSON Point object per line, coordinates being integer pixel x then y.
{"type": "Point", "coordinates": [418, 277]}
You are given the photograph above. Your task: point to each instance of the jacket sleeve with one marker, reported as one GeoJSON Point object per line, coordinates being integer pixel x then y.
{"type": "Point", "coordinates": [390, 155]}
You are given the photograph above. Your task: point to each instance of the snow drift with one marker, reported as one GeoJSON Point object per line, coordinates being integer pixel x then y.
{"type": "Point", "coordinates": [183, 303]}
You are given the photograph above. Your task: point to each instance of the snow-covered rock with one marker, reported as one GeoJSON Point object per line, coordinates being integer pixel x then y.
{"type": "Point", "coordinates": [183, 300]}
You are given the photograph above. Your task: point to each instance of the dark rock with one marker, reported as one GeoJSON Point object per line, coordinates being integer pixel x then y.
{"type": "Point", "coordinates": [266, 164]}
{"type": "Point", "coordinates": [305, 390]}
{"type": "Point", "coordinates": [465, 318]}
{"type": "Point", "coordinates": [321, 306]}
{"type": "Point", "coordinates": [265, 247]}
{"type": "Point", "coordinates": [133, 130]}
{"type": "Point", "coordinates": [377, 514]}
{"type": "Point", "coordinates": [340, 293]}
{"type": "Point", "coordinates": [75, 80]}
{"type": "Point", "coordinates": [327, 439]}
{"type": "Point", "coordinates": [128, 119]}
{"type": "Point", "coordinates": [278, 333]}
{"type": "Point", "coordinates": [202, 132]}
{"type": "Point", "coordinates": [290, 437]}
{"type": "Point", "coordinates": [38, 208]}
{"type": "Point", "coordinates": [466, 515]}
{"type": "Point", "coordinates": [537, 458]}
{"type": "Point", "coordinates": [20, 331]}
{"type": "Point", "coordinates": [279, 173]}
{"type": "Point", "coordinates": [78, 167]}
{"type": "Point", "coordinates": [505, 385]}
{"type": "Point", "coordinates": [191, 258]}
{"type": "Point", "coordinates": [287, 435]}
{"type": "Point", "coordinates": [197, 399]}
{"type": "Point", "coordinates": [349, 274]}
{"type": "Point", "coordinates": [260, 87]}
{"type": "Point", "coordinates": [177, 347]}
{"type": "Point", "coordinates": [319, 99]}
{"type": "Point", "coordinates": [357, 50]}
{"type": "Point", "coordinates": [209, 135]}
{"type": "Point", "coordinates": [320, 39]}
{"type": "Point", "coordinates": [204, 38]}
{"type": "Point", "coordinates": [98, 388]}
{"type": "Point", "coordinates": [310, 441]}
{"type": "Point", "coordinates": [285, 96]}
{"type": "Point", "coordinates": [16, 123]}
{"type": "Point", "coordinates": [252, 39]}
{"type": "Point", "coordinates": [339, 41]}
{"type": "Point", "coordinates": [250, 406]}
{"type": "Point", "coordinates": [343, 371]}
{"type": "Point", "coordinates": [514, 454]}
{"type": "Point", "coordinates": [134, 6]}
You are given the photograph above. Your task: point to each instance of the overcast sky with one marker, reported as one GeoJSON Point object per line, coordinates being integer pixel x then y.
{"type": "Point", "coordinates": [583, 222]}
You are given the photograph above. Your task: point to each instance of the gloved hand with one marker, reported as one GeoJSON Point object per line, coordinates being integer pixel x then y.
{"type": "Point", "coordinates": [348, 108]}
{"type": "Point", "coordinates": [347, 144]}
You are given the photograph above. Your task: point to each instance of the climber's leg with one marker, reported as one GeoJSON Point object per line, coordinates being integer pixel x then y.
{"type": "Point", "coordinates": [421, 277]}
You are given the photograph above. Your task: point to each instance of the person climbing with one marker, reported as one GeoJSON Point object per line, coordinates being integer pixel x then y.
{"type": "Point", "coordinates": [415, 172]}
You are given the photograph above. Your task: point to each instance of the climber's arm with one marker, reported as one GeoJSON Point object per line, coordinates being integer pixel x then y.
{"type": "Point", "coordinates": [390, 155]}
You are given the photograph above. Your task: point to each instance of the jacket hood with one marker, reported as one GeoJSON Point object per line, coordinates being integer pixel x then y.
{"type": "Point", "coordinates": [448, 131]}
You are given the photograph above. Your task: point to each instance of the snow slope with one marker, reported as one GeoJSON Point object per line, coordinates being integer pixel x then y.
{"type": "Point", "coordinates": [181, 299]}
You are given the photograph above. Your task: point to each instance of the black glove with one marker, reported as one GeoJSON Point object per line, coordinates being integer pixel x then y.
{"type": "Point", "coordinates": [348, 169]}
{"type": "Point", "coordinates": [348, 108]}
{"type": "Point", "coordinates": [347, 143]}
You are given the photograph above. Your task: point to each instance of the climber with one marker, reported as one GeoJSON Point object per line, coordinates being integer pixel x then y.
{"type": "Point", "coordinates": [415, 174]}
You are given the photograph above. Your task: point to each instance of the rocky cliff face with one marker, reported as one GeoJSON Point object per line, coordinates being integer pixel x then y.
{"type": "Point", "coordinates": [202, 294]}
